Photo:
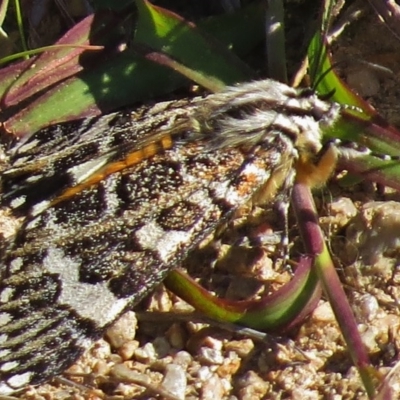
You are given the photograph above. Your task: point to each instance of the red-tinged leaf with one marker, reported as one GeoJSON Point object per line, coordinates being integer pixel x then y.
{"type": "Point", "coordinates": [383, 140]}
{"type": "Point", "coordinates": [278, 312]}
{"type": "Point", "coordinates": [122, 80]}
{"type": "Point", "coordinates": [110, 83]}
{"type": "Point", "coordinates": [324, 267]}
{"type": "Point", "coordinates": [20, 82]}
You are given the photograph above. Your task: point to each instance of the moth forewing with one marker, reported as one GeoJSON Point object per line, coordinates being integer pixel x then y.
{"type": "Point", "coordinates": [111, 214]}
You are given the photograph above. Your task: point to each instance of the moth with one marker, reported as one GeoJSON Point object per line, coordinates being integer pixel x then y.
{"type": "Point", "coordinates": [113, 203]}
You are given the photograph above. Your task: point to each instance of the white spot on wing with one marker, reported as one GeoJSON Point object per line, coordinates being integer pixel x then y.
{"type": "Point", "coordinates": [165, 243]}
{"type": "Point", "coordinates": [93, 301]}
{"type": "Point", "coordinates": [8, 366]}
{"type": "Point", "coordinates": [20, 380]}
{"type": "Point", "coordinates": [83, 171]}
{"type": "Point", "coordinates": [227, 191]}
{"type": "Point", "coordinates": [5, 318]}
{"type": "Point", "coordinates": [170, 243]}
{"type": "Point", "coordinates": [3, 338]}
{"type": "Point", "coordinates": [24, 147]}
{"type": "Point", "coordinates": [18, 201]}
{"type": "Point", "coordinates": [4, 352]}
{"type": "Point", "coordinates": [223, 191]}
{"type": "Point", "coordinates": [6, 294]}
{"type": "Point", "coordinates": [111, 196]}
{"type": "Point", "coordinates": [40, 207]}
{"type": "Point", "coordinates": [16, 264]}
{"type": "Point", "coordinates": [33, 223]}
{"type": "Point", "coordinates": [34, 178]}
{"type": "Point", "coordinates": [5, 389]}
{"type": "Point", "coordinates": [201, 198]}
{"type": "Point", "coordinates": [148, 235]}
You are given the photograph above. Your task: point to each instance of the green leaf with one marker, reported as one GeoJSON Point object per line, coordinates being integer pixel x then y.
{"type": "Point", "coordinates": [213, 65]}
{"type": "Point", "coordinates": [98, 82]}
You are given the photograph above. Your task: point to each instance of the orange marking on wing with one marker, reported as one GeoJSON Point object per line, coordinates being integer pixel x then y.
{"type": "Point", "coordinates": [130, 159]}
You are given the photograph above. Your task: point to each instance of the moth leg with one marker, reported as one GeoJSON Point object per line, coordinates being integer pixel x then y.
{"type": "Point", "coordinates": [282, 206]}
{"type": "Point", "coordinates": [315, 169]}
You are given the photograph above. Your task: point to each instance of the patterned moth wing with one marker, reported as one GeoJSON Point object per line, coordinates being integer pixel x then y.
{"type": "Point", "coordinates": [114, 203]}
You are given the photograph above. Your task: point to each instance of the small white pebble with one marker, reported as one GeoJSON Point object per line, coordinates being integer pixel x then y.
{"type": "Point", "coordinates": [127, 350]}
{"type": "Point", "coordinates": [204, 373]}
{"type": "Point", "coordinates": [210, 356]}
{"type": "Point", "coordinates": [122, 330]}
{"type": "Point", "coordinates": [212, 389]}
{"type": "Point", "coordinates": [183, 358]}
{"type": "Point", "coordinates": [175, 380]}
{"type": "Point", "coordinates": [368, 337]}
{"type": "Point", "coordinates": [367, 307]}
{"type": "Point", "coordinates": [101, 368]}
{"type": "Point", "coordinates": [146, 354]}
{"type": "Point", "coordinates": [323, 313]}
{"type": "Point", "coordinates": [101, 350]}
